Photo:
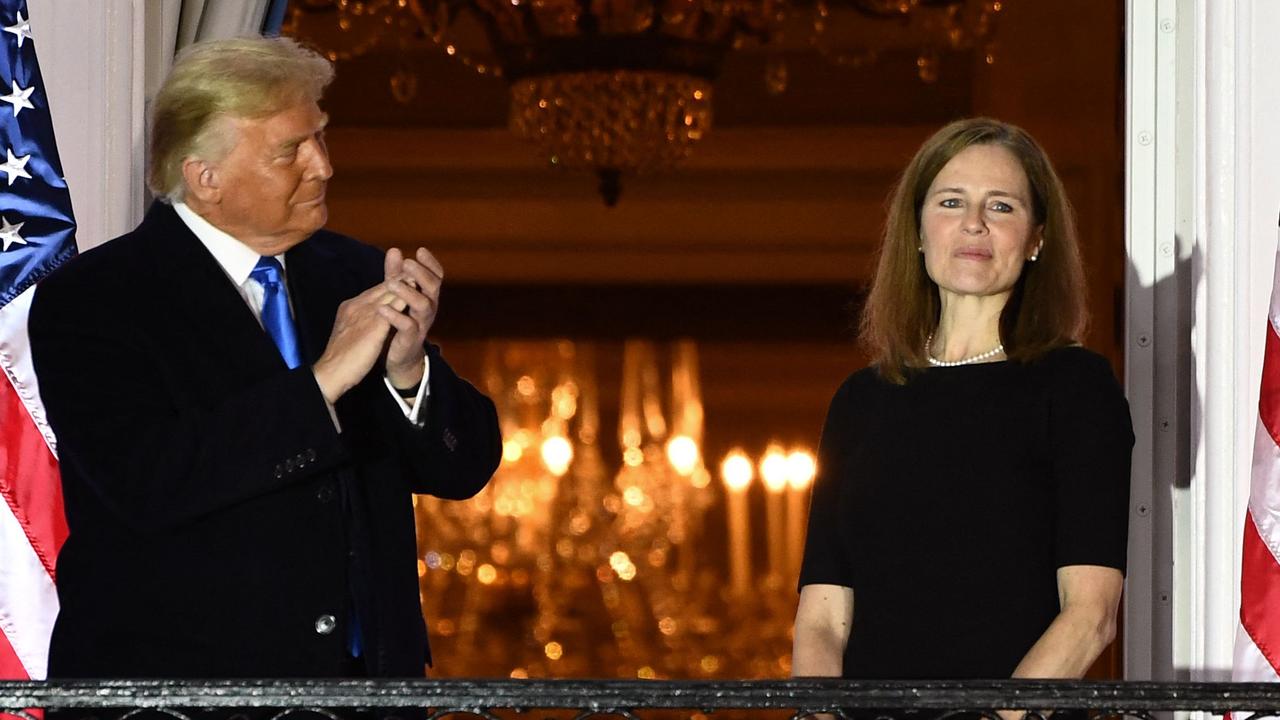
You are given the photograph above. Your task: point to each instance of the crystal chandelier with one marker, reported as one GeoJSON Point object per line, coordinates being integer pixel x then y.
{"type": "Point", "coordinates": [575, 562]}
{"type": "Point", "coordinates": [839, 30]}
{"type": "Point", "coordinates": [625, 86]}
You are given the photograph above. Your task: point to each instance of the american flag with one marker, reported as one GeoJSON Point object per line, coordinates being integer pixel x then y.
{"type": "Point", "coordinates": [1257, 655]}
{"type": "Point", "coordinates": [37, 234]}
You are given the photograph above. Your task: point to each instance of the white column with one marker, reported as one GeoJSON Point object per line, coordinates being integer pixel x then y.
{"type": "Point", "coordinates": [1151, 373]}
{"type": "Point", "coordinates": [1203, 200]}
{"type": "Point", "coordinates": [1240, 197]}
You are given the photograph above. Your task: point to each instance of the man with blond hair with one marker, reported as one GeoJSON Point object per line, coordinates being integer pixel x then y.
{"type": "Point", "coordinates": [244, 403]}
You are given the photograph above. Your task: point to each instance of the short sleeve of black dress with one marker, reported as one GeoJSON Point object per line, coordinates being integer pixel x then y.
{"type": "Point", "coordinates": [1091, 444]}
{"type": "Point", "coordinates": [826, 560]}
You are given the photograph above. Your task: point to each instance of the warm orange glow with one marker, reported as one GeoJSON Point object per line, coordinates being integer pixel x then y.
{"type": "Point", "coordinates": [773, 469]}
{"type": "Point", "coordinates": [801, 467]}
{"type": "Point", "coordinates": [736, 470]}
{"type": "Point", "coordinates": [682, 452]}
{"type": "Point", "coordinates": [525, 385]}
{"type": "Point", "coordinates": [553, 650]}
{"type": "Point", "coordinates": [557, 453]}
{"type": "Point", "coordinates": [633, 496]}
{"type": "Point", "coordinates": [486, 574]}
{"type": "Point", "coordinates": [633, 456]}
{"type": "Point", "coordinates": [512, 450]}
{"type": "Point", "coordinates": [622, 565]}
{"type": "Point", "coordinates": [466, 562]}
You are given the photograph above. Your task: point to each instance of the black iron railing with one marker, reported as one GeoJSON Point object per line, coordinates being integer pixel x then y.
{"type": "Point", "coordinates": [633, 699]}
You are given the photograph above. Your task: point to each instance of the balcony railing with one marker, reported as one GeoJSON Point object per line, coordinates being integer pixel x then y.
{"type": "Point", "coordinates": [631, 699]}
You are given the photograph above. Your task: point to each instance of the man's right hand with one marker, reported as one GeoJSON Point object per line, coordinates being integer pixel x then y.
{"type": "Point", "coordinates": [359, 333]}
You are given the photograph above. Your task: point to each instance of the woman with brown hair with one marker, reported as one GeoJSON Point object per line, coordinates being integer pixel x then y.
{"type": "Point", "coordinates": [972, 494]}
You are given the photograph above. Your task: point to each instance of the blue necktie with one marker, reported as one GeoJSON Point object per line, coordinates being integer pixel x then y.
{"type": "Point", "coordinates": [279, 325]}
{"type": "Point", "coordinates": [275, 310]}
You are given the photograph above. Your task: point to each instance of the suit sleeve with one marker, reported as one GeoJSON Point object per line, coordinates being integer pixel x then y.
{"type": "Point", "coordinates": [459, 446]}
{"type": "Point", "coordinates": [150, 452]}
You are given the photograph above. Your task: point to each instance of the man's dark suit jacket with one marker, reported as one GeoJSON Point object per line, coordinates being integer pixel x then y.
{"type": "Point", "coordinates": [217, 517]}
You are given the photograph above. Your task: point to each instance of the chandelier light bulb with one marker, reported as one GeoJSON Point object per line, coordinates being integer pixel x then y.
{"type": "Point", "coordinates": [801, 467]}
{"type": "Point", "coordinates": [682, 452]}
{"type": "Point", "coordinates": [773, 469]}
{"type": "Point", "coordinates": [557, 453]}
{"type": "Point", "coordinates": [737, 471]}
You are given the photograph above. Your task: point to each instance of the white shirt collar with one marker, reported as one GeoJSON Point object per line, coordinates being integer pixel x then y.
{"type": "Point", "coordinates": [236, 258]}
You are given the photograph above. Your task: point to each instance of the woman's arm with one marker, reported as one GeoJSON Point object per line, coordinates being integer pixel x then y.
{"type": "Point", "coordinates": [823, 621]}
{"type": "Point", "coordinates": [1089, 597]}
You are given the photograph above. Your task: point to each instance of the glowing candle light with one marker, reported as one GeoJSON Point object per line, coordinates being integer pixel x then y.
{"type": "Point", "coordinates": [737, 473]}
{"type": "Point", "coordinates": [801, 468]}
{"type": "Point", "coordinates": [773, 471]}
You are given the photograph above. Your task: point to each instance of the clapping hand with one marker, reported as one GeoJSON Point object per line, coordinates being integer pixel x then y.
{"type": "Point", "coordinates": [402, 308]}
{"type": "Point", "coordinates": [415, 283]}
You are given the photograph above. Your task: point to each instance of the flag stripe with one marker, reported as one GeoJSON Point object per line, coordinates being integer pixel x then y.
{"type": "Point", "coordinates": [1269, 394]}
{"type": "Point", "coordinates": [1249, 661]}
{"type": "Point", "coordinates": [1257, 647]}
{"type": "Point", "coordinates": [10, 665]}
{"type": "Point", "coordinates": [30, 484]}
{"type": "Point", "coordinates": [15, 360]}
{"type": "Point", "coordinates": [29, 480]}
{"type": "Point", "coordinates": [28, 600]}
{"type": "Point", "coordinates": [1260, 594]}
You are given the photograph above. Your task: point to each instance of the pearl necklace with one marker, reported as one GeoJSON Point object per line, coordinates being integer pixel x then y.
{"type": "Point", "coordinates": [928, 344]}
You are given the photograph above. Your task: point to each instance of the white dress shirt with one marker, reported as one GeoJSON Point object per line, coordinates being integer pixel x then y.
{"type": "Point", "coordinates": [237, 261]}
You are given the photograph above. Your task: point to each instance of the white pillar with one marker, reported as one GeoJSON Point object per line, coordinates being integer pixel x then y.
{"type": "Point", "coordinates": [1203, 194]}
{"type": "Point", "coordinates": [1150, 364]}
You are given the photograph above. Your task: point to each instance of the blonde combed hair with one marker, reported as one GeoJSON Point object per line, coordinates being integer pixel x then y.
{"type": "Point", "coordinates": [214, 80]}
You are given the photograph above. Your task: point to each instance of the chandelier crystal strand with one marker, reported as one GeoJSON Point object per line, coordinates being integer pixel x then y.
{"type": "Point", "coordinates": [622, 122]}
{"type": "Point", "coordinates": [932, 28]}
{"type": "Point", "coordinates": [622, 88]}
{"type": "Point", "coordinates": [587, 572]}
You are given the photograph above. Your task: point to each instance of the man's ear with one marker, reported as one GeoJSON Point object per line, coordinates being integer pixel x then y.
{"type": "Point", "coordinates": [202, 180]}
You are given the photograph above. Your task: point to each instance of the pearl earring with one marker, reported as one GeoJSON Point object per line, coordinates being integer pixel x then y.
{"type": "Point", "coordinates": [1035, 257]}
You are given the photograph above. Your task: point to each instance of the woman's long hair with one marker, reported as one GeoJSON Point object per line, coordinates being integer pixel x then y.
{"type": "Point", "coordinates": [1046, 308]}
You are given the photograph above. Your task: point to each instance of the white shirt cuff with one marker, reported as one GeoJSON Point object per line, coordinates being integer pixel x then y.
{"type": "Point", "coordinates": [416, 412]}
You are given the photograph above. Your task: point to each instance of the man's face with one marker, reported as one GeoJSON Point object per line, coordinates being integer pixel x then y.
{"type": "Point", "coordinates": [272, 183]}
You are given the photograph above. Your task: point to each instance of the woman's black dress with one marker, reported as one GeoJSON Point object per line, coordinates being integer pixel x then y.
{"type": "Point", "coordinates": [948, 504]}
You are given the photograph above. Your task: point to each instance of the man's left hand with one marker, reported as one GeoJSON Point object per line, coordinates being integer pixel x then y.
{"type": "Point", "coordinates": [416, 283]}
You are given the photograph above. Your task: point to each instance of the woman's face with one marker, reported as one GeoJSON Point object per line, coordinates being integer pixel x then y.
{"type": "Point", "coordinates": [976, 223]}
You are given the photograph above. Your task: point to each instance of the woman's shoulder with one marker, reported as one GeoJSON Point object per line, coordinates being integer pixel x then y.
{"type": "Point", "coordinates": [860, 390]}
{"type": "Point", "coordinates": [1073, 363]}
{"type": "Point", "coordinates": [868, 379]}
{"type": "Point", "coordinates": [1076, 376]}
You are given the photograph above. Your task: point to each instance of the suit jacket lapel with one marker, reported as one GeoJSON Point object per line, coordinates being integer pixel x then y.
{"type": "Point", "coordinates": [200, 295]}
{"type": "Point", "coordinates": [317, 285]}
